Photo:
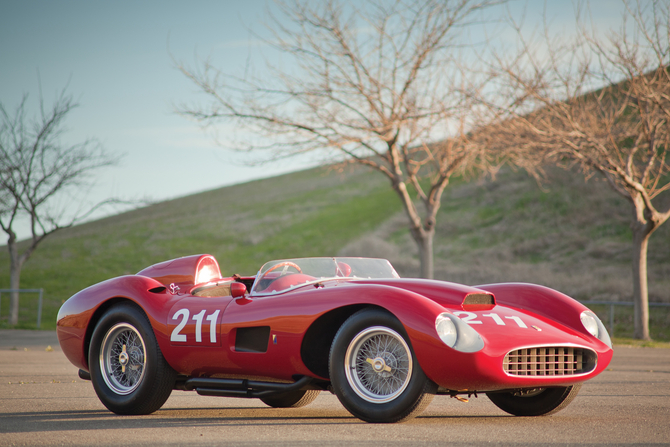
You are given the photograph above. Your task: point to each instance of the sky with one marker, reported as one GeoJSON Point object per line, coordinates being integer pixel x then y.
{"type": "Point", "coordinates": [117, 60]}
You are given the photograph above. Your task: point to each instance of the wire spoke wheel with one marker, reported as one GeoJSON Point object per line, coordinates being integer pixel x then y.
{"type": "Point", "coordinates": [374, 372]}
{"type": "Point", "coordinates": [128, 370]}
{"type": "Point", "coordinates": [123, 358]}
{"type": "Point", "coordinates": [378, 364]}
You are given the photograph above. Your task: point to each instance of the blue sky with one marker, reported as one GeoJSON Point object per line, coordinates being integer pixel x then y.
{"type": "Point", "coordinates": [116, 57]}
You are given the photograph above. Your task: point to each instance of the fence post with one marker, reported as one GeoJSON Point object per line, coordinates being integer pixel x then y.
{"type": "Point", "coordinates": [612, 305]}
{"type": "Point", "coordinates": [39, 310]}
{"type": "Point", "coordinates": [39, 303]}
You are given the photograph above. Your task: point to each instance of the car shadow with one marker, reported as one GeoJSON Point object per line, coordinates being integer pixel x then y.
{"type": "Point", "coordinates": [55, 421]}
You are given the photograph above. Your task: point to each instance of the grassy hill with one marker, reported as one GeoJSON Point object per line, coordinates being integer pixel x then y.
{"type": "Point", "coordinates": [571, 235]}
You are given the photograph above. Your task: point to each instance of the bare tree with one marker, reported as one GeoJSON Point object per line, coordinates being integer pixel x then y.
{"type": "Point", "coordinates": [619, 131]}
{"type": "Point", "coordinates": [373, 83]}
{"type": "Point", "coordinates": [36, 170]}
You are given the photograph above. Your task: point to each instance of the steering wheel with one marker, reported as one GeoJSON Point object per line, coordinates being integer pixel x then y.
{"type": "Point", "coordinates": [285, 264]}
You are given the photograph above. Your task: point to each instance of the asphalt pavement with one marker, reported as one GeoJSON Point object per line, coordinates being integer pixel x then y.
{"type": "Point", "coordinates": [43, 402]}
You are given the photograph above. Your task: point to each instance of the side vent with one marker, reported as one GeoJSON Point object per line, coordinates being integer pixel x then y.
{"type": "Point", "coordinates": [252, 339]}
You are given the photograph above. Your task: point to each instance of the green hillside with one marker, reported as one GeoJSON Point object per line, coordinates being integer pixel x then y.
{"type": "Point", "coordinates": [570, 235]}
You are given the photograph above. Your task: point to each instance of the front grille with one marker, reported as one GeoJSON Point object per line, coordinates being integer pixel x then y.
{"type": "Point", "coordinates": [549, 361]}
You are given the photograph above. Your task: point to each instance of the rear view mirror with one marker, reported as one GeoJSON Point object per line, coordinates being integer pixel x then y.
{"type": "Point", "coordinates": [238, 290]}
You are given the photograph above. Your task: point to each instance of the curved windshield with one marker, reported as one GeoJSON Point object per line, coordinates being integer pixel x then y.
{"type": "Point", "coordinates": [279, 276]}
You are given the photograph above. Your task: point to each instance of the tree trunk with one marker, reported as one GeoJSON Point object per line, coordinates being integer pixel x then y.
{"type": "Point", "coordinates": [422, 236]}
{"type": "Point", "coordinates": [425, 244]}
{"type": "Point", "coordinates": [640, 286]}
{"type": "Point", "coordinates": [14, 283]}
{"type": "Point", "coordinates": [14, 278]}
{"type": "Point", "coordinates": [15, 264]}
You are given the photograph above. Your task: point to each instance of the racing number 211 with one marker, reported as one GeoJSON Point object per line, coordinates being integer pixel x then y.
{"type": "Point", "coordinates": [470, 318]}
{"type": "Point", "coordinates": [177, 336]}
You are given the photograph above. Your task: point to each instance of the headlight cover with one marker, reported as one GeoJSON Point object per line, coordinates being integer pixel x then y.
{"type": "Point", "coordinates": [457, 334]}
{"type": "Point", "coordinates": [590, 322]}
{"type": "Point", "coordinates": [446, 329]}
{"type": "Point", "coordinates": [595, 327]}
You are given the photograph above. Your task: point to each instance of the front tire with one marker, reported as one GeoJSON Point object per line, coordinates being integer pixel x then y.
{"type": "Point", "coordinates": [374, 371]}
{"type": "Point", "coordinates": [128, 371]}
{"type": "Point", "coordinates": [535, 402]}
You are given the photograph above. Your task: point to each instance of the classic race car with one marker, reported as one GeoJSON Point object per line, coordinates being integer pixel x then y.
{"type": "Point", "coordinates": [384, 345]}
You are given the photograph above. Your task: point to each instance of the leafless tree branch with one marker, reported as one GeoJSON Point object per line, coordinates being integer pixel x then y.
{"type": "Point", "coordinates": [375, 83]}
{"type": "Point", "coordinates": [35, 169]}
{"type": "Point", "coordinates": [602, 103]}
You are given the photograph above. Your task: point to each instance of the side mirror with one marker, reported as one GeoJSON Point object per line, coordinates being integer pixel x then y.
{"type": "Point", "coordinates": [238, 290]}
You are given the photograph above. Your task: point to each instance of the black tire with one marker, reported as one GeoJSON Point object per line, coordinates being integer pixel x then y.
{"type": "Point", "coordinates": [128, 371]}
{"type": "Point", "coordinates": [291, 399]}
{"type": "Point", "coordinates": [535, 402]}
{"type": "Point", "coordinates": [391, 387]}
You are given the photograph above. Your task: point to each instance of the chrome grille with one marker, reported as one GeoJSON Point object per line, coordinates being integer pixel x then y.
{"type": "Point", "coordinates": [549, 361]}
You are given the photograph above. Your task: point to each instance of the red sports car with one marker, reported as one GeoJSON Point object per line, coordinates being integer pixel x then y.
{"type": "Point", "coordinates": [384, 345]}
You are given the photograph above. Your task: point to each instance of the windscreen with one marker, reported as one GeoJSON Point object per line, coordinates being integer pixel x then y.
{"type": "Point", "coordinates": [281, 275]}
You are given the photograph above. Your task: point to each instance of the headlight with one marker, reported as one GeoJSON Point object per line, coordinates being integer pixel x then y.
{"type": "Point", "coordinates": [446, 329]}
{"type": "Point", "coordinates": [457, 334]}
{"type": "Point", "coordinates": [590, 322]}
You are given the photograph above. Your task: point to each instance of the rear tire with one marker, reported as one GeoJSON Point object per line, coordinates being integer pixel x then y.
{"type": "Point", "coordinates": [128, 371]}
{"type": "Point", "coordinates": [535, 402]}
{"type": "Point", "coordinates": [291, 399]}
{"type": "Point", "coordinates": [374, 371]}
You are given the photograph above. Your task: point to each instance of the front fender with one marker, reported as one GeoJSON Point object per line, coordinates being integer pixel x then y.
{"type": "Point", "coordinates": [415, 312]}
{"type": "Point", "coordinates": [79, 314]}
{"type": "Point", "coordinates": [482, 370]}
{"type": "Point", "coordinates": [540, 300]}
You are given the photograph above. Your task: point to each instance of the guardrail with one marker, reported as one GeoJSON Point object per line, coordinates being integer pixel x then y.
{"type": "Point", "coordinates": [39, 305]}
{"type": "Point", "coordinates": [611, 305]}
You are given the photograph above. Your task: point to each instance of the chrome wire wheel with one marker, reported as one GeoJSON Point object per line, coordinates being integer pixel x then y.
{"type": "Point", "coordinates": [378, 364]}
{"type": "Point", "coordinates": [123, 358]}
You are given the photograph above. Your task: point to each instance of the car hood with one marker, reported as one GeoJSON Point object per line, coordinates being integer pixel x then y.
{"type": "Point", "coordinates": [507, 323]}
{"type": "Point", "coordinates": [445, 293]}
